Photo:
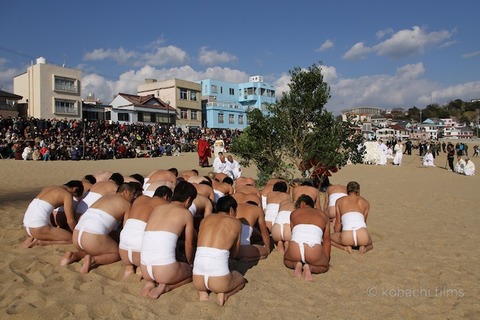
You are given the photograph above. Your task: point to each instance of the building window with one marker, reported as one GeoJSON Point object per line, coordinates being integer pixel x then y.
{"type": "Point", "coordinates": [66, 107]}
{"type": "Point", "coordinates": [240, 119]}
{"type": "Point", "coordinates": [214, 88]}
{"type": "Point", "coordinates": [108, 115]}
{"type": "Point", "coordinates": [183, 114]}
{"type": "Point", "coordinates": [183, 94]}
{"type": "Point", "coordinates": [231, 91]}
{"type": "Point", "coordinates": [231, 119]}
{"type": "Point", "coordinates": [140, 117]}
{"type": "Point", "coordinates": [193, 95]}
{"type": "Point", "coordinates": [221, 90]}
{"type": "Point", "coordinates": [123, 116]}
{"type": "Point", "coordinates": [220, 118]}
{"type": "Point", "coordinates": [65, 85]}
{"type": "Point", "coordinates": [193, 115]}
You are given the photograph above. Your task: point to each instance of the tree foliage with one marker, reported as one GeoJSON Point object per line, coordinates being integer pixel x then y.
{"type": "Point", "coordinates": [297, 136]}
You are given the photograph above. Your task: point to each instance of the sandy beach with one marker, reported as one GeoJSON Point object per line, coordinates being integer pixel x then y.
{"type": "Point", "coordinates": [425, 262]}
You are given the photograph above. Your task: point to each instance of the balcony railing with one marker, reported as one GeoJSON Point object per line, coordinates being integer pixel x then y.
{"type": "Point", "coordinates": [66, 88]}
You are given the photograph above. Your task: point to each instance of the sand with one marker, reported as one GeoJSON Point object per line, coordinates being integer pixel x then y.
{"type": "Point", "coordinates": [424, 265]}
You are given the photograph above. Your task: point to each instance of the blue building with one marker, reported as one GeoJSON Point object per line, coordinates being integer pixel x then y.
{"type": "Point", "coordinates": [224, 104]}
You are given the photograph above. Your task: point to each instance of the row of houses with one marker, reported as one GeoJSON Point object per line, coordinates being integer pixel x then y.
{"type": "Point", "coordinates": [50, 91]}
{"type": "Point", "coordinates": [375, 124]}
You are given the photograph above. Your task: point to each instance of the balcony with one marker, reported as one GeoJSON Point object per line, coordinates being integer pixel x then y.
{"type": "Point", "coordinates": [66, 88]}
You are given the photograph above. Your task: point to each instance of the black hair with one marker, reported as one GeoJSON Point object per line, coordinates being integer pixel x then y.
{"type": "Point", "coordinates": [138, 177]}
{"type": "Point", "coordinates": [184, 190]}
{"type": "Point", "coordinates": [90, 178]}
{"type": "Point", "coordinates": [137, 186]}
{"type": "Point", "coordinates": [252, 202]}
{"type": "Point", "coordinates": [225, 203]}
{"type": "Point", "coordinates": [75, 184]}
{"type": "Point", "coordinates": [126, 187]}
{"type": "Point", "coordinates": [280, 186]}
{"type": "Point", "coordinates": [305, 198]}
{"type": "Point", "coordinates": [117, 178]}
{"type": "Point", "coordinates": [307, 183]}
{"type": "Point", "coordinates": [174, 170]}
{"type": "Point", "coordinates": [163, 191]}
{"type": "Point", "coordinates": [195, 170]}
{"type": "Point", "coordinates": [228, 180]}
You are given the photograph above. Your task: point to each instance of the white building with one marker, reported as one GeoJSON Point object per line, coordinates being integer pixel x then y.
{"type": "Point", "coordinates": [49, 91]}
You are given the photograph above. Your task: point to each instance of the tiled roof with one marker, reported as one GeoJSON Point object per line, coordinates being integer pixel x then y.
{"type": "Point", "coordinates": [9, 95]}
{"type": "Point", "coordinates": [143, 101]}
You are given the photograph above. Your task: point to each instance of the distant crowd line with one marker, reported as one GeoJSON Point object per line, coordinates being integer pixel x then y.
{"type": "Point", "coordinates": [63, 139]}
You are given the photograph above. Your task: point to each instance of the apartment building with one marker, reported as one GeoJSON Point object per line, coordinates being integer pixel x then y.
{"type": "Point", "coordinates": [49, 91]}
{"type": "Point", "coordinates": [225, 104]}
{"type": "Point", "coordinates": [182, 95]}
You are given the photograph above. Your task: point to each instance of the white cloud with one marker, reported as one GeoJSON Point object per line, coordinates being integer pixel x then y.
{"type": "Point", "coordinates": [160, 56]}
{"type": "Point", "coordinates": [471, 54]}
{"type": "Point", "coordinates": [213, 57]}
{"type": "Point", "coordinates": [357, 52]}
{"type": "Point", "coordinates": [383, 91]}
{"type": "Point", "coordinates": [411, 71]}
{"type": "Point", "coordinates": [382, 33]}
{"type": "Point", "coordinates": [7, 75]}
{"type": "Point", "coordinates": [465, 91]}
{"type": "Point", "coordinates": [407, 43]}
{"type": "Point", "coordinates": [328, 44]}
{"type": "Point", "coordinates": [402, 44]}
{"type": "Point", "coordinates": [120, 55]}
{"type": "Point", "coordinates": [169, 55]}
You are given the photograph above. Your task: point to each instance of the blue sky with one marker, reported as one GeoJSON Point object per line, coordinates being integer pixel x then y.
{"type": "Point", "coordinates": [384, 54]}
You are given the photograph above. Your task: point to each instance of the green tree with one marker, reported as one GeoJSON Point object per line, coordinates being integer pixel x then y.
{"type": "Point", "coordinates": [297, 136]}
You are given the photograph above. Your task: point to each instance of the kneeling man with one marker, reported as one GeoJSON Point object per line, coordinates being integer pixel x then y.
{"type": "Point", "coordinates": [91, 236]}
{"type": "Point", "coordinates": [351, 221]}
{"type": "Point", "coordinates": [218, 239]}
{"type": "Point", "coordinates": [309, 249]}
{"type": "Point", "coordinates": [160, 268]}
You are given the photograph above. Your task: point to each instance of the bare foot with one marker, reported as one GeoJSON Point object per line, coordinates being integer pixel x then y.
{"type": "Point", "coordinates": [68, 257]}
{"type": "Point", "coordinates": [88, 264]}
{"type": "Point", "coordinates": [221, 299]}
{"type": "Point", "coordinates": [362, 250]}
{"type": "Point", "coordinates": [307, 274]}
{"type": "Point", "coordinates": [349, 249]}
{"type": "Point", "coordinates": [149, 285]}
{"type": "Point", "coordinates": [203, 295]}
{"type": "Point", "coordinates": [28, 243]}
{"type": "Point", "coordinates": [298, 270]}
{"type": "Point", "coordinates": [280, 247]}
{"type": "Point", "coordinates": [128, 271]}
{"type": "Point", "coordinates": [157, 291]}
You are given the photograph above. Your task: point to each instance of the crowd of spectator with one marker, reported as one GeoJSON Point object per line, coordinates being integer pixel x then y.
{"type": "Point", "coordinates": [64, 139]}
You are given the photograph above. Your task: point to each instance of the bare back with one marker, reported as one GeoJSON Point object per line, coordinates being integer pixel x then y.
{"type": "Point", "coordinates": [278, 197]}
{"type": "Point", "coordinates": [170, 217]}
{"type": "Point", "coordinates": [113, 204]}
{"type": "Point", "coordinates": [56, 195]}
{"type": "Point", "coordinates": [143, 206]}
{"type": "Point", "coordinates": [104, 187]}
{"type": "Point", "coordinates": [352, 203]}
{"type": "Point", "coordinates": [313, 192]}
{"type": "Point", "coordinates": [220, 231]}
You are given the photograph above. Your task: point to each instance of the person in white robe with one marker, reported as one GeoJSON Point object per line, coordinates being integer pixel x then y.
{"type": "Point", "coordinates": [460, 165]}
{"type": "Point", "coordinates": [428, 159]}
{"type": "Point", "coordinates": [397, 160]}
{"type": "Point", "coordinates": [382, 148]}
{"type": "Point", "coordinates": [469, 168]}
